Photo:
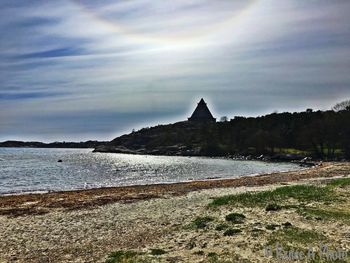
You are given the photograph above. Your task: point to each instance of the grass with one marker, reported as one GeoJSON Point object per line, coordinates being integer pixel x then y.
{"type": "Point", "coordinates": [235, 218]}
{"type": "Point", "coordinates": [306, 152]}
{"type": "Point", "coordinates": [199, 253]}
{"type": "Point", "coordinates": [202, 222]}
{"type": "Point", "coordinates": [342, 182]}
{"type": "Point", "coordinates": [297, 239]}
{"type": "Point", "coordinates": [296, 236]}
{"type": "Point", "coordinates": [273, 207]}
{"type": "Point", "coordinates": [301, 193]}
{"type": "Point", "coordinates": [294, 151]}
{"type": "Point", "coordinates": [326, 214]}
{"type": "Point", "coordinates": [232, 231]}
{"type": "Point", "coordinates": [212, 254]}
{"type": "Point", "coordinates": [271, 226]}
{"type": "Point", "coordinates": [157, 252]}
{"type": "Point", "coordinates": [213, 257]}
{"type": "Point", "coordinates": [321, 198]}
{"type": "Point", "coordinates": [221, 227]}
{"type": "Point", "coordinates": [122, 256]}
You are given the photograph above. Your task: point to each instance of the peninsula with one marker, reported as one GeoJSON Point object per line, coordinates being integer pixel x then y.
{"type": "Point", "coordinates": [286, 136]}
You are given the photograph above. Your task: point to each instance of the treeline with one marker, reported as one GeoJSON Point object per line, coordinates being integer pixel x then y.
{"type": "Point", "coordinates": [319, 134]}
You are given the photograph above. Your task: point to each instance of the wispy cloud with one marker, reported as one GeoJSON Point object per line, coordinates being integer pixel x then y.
{"type": "Point", "coordinates": [28, 95]}
{"type": "Point", "coordinates": [126, 63]}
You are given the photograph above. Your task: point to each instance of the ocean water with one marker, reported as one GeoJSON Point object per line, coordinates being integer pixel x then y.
{"type": "Point", "coordinates": [37, 170]}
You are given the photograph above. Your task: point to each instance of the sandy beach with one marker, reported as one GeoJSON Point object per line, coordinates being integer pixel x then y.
{"type": "Point", "coordinates": [155, 222]}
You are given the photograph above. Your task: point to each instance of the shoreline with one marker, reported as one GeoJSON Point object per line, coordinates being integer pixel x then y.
{"type": "Point", "coordinates": [213, 178]}
{"type": "Point", "coordinates": [276, 158]}
{"type": "Point", "coordinates": [157, 222]}
{"type": "Point", "coordinates": [42, 203]}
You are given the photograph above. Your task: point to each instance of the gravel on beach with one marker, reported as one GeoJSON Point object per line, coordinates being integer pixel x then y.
{"type": "Point", "coordinates": [85, 226]}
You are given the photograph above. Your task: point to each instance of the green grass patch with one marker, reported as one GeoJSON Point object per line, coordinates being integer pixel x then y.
{"type": "Point", "coordinates": [302, 236]}
{"type": "Point", "coordinates": [323, 214]}
{"type": "Point", "coordinates": [212, 254]}
{"type": "Point", "coordinates": [235, 218]}
{"type": "Point", "coordinates": [213, 257]}
{"type": "Point", "coordinates": [293, 251]}
{"type": "Point", "coordinates": [157, 252]}
{"type": "Point", "coordinates": [271, 226]}
{"type": "Point", "coordinates": [301, 193]}
{"type": "Point", "coordinates": [341, 182]}
{"type": "Point", "coordinates": [296, 236]}
{"type": "Point", "coordinates": [232, 231]}
{"type": "Point", "coordinates": [202, 222]}
{"type": "Point", "coordinates": [257, 230]}
{"type": "Point", "coordinates": [273, 207]}
{"type": "Point", "coordinates": [221, 227]}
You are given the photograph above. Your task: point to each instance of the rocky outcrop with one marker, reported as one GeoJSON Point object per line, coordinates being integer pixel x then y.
{"type": "Point", "coordinates": [179, 150]}
{"type": "Point", "coordinates": [173, 139]}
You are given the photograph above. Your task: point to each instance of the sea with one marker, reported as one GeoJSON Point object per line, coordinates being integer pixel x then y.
{"type": "Point", "coordinates": [29, 170]}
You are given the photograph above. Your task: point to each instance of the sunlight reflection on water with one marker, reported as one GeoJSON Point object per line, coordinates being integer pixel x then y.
{"type": "Point", "coordinates": [33, 169]}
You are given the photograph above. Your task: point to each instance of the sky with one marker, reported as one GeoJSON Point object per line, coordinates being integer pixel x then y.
{"type": "Point", "coordinates": [77, 70]}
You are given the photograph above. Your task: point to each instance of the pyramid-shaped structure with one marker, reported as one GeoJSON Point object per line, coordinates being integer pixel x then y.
{"type": "Point", "coordinates": [202, 113]}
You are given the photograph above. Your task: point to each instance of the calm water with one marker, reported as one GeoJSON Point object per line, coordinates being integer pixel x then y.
{"type": "Point", "coordinates": [31, 170]}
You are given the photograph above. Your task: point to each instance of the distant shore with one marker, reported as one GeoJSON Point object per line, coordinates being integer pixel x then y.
{"type": "Point", "coordinates": [36, 144]}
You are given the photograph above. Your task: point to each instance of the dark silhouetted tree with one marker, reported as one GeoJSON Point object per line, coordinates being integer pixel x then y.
{"type": "Point", "coordinates": [344, 105]}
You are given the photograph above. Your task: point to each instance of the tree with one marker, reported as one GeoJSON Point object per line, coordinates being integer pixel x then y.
{"type": "Point", "coordinates": [344, 105]}
{"type": "Point", "coordinates": [223, 119]}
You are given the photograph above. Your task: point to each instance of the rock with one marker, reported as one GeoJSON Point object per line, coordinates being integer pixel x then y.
{"type": "Point", "coordinates": [287, 157]}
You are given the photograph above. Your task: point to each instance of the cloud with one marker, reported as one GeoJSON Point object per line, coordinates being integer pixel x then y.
{"type": "Point", "coordinates": [28, 95]}
{"type": "Point", "coordinates": [129, 63]}
{"type": "Point", "coordinates": [57, 52]}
